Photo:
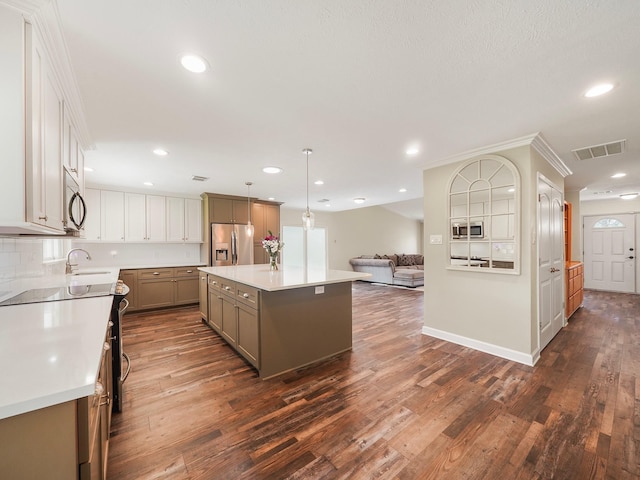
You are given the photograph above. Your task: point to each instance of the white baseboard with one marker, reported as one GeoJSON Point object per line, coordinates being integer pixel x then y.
{"type": "Point", "coordinates": [526, 359]}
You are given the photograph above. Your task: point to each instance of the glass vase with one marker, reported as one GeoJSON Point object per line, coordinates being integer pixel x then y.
{"type": "Point", "coordinates": [273, 266]}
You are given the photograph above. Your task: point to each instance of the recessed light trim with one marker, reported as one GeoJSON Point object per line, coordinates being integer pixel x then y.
{"type": "Point", "coordinates": [618, 175]}
{"type": "Point", "coordinates": [628, 196]}
{"type": "Point", "coordinates": [359, 200]}
{"type": "Point", "coordinates": [598, 90]}
{"type": "Point", "coordinates": [402, 190]}
{"type": "Point", "coordinates": [161, 152]}
{"type": "Point", "coordinates": [272, 170]}
{"type": "Point", "coordinates": [194, 63]}
{"type": "Point", "coordinates": [148, 184]}
{"type": "Point", "coordinates": [318, 182]}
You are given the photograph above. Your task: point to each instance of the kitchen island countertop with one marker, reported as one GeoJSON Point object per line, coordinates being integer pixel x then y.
{"type": "Point", "coordinates": [286, 278]}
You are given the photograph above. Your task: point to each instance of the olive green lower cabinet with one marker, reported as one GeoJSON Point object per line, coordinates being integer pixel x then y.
{"type": "Point", "coordinates": [288, 324]}
{"type": "Point", "coordinates": [161, 287]}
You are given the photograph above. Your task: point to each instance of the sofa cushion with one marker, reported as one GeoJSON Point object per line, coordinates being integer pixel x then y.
{"type": "Point", "coordinates": [393, 258]}
{"type": "Point", "coordinates": [406, 260]}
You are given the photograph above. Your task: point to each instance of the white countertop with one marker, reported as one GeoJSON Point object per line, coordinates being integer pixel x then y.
{"type": "Point", "coordinates": [50, 352]}
{"type": "Point", "coordinates": [259, 276]}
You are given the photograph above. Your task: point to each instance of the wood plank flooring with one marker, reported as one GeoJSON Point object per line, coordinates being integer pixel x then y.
{"type": "Point", "coordinates": [399, 406]}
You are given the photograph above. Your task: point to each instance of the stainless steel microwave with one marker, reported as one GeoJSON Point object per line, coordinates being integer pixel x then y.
{"type": "Point", "coordinates": [464, 230]}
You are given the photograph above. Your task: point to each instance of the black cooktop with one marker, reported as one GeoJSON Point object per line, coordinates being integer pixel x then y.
{"type": "Point", "coordinates": [55, 294]}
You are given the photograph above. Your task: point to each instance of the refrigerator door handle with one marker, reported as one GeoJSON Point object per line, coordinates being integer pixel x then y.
{"type": "Point", "coordinates": [234, 248]}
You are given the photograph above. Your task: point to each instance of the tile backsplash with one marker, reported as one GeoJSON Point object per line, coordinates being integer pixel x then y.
{"type": "Point", "coordinates": [23, 257]}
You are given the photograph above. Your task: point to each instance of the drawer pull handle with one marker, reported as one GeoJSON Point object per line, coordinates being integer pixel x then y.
{"type": "Point", "coordinates": [156, 273]}
{"type": "Point", "coordinates": [245, 295]}
{"type": "Point", "coordinates": [189, 271]}
{"type": "Point", "coordinates": [227, 288]}
{"type": "Point", "coordinates": [99, 388]}
{"type": "Point", "coordinates": [106, 346]}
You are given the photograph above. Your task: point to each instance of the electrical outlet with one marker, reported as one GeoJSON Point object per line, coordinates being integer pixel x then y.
{"type": "Point", "coordinates": [320, 289]}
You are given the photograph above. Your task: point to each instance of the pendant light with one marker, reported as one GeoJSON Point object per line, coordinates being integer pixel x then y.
{"type": "Point", "coordinates": [308, 219]}
{"type": "Point", "coordinates": [249, 227]}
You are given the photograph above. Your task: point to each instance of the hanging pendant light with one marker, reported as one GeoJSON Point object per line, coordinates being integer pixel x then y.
{"type": "Point", "coordinates": [308, 219]}
{"type": "Point", "coordinates": [249, 227]}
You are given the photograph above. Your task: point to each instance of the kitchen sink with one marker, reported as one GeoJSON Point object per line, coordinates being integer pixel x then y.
{"type": "Point", "coordinates": [89, 273]}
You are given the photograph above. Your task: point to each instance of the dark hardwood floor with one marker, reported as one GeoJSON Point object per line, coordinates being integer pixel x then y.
{"type": "Point", "coordinates": [400, 405]}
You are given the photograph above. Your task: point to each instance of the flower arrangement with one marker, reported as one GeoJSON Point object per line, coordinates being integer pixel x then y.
{"type": "Point", "coordinates": [272, 244]}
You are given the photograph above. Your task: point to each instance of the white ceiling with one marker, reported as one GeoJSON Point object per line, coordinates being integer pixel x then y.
{"type": "Point", "coordinates": [358, 82]}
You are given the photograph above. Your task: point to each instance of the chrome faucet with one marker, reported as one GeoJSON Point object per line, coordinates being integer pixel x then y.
{"type": "Point", "coordinates": [69, 266]}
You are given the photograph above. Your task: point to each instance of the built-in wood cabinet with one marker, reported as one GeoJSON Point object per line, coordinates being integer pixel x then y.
{"type": "Point", "coordinates": [234, 314]}
{"type": "Point", "coordinates": [265, 218]}
{"type": "Point", "coordinates": [203, 296]}
{"type": "Point", "coordinates": [144, 217]}
{"type": "Point", "coordinates": [225, 208]}
{"type": "Point", "coordinates": [161, 287]}
{"type": "Point", "coordinates": [574, 286]}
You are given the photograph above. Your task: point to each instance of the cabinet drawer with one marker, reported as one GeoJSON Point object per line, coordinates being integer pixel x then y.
{"type": "Point", "coordinates": [247, 295]}
{"type": "Point", "coordinates": [150, 273]}
{"type": "Point", "coordinates": [214, 283]}
{"type": "Point", "coordinates": [185, 271]}
{"type": "Point", "coordinates": [228, 287]}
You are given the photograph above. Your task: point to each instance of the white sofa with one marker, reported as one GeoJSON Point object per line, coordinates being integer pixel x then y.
{"type": "Point", "coordinates": [395, 269]}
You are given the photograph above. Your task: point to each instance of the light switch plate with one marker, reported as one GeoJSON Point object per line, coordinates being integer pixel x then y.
{"type": "Point", "coordinates": [435, 239]}
{"type": "Point", "coordinates": [320, 289]}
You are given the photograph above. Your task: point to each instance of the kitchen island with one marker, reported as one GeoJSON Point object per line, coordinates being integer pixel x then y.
{"type": "Point", "coordinates": [281, 320]}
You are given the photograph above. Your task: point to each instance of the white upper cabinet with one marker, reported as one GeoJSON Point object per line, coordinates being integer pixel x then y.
{"type": "Point", "coordinates": [72, 154]}
{"type": "Point", "coordinates": [111, 216]}
{"type": "Point", "coordinates": [144, 218]}
{"type": "Point", "coordinates": [33, 138]}
{"type": "Point", "coordinates": [184, 220]}
{"type": "Point", "coordinates": [92, 223]}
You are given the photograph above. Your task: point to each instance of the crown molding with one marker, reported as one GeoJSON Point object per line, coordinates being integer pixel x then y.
{"type": "Point", "coordinates": [542, 147]}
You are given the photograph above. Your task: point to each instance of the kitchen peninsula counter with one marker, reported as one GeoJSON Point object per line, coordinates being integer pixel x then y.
{"type": "Point", "coordinates": [282, 320]}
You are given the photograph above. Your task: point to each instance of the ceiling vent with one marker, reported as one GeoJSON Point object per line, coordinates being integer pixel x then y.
{"type": "Point", "coordinates": [323, 200]}
{"type": "Point", "coordinates": [604, 150]}
{"type": "Point", "coordinates": [197, 178]}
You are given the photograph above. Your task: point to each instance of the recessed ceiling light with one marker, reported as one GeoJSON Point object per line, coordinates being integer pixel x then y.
{"type": "Point", "coordinates": [271, 198]}
{"type": "Point", "coordinates": [148, 184]}
{"type": "Point", "coordinates": [194, 63]}
{"type": "Point", "coordinates": [618, 175]}
{"type": "Point", "coordinates": [160, 152]}
{"type": "Point", "coordinates": [402, 190]}
{"type": "Point", "coordinates": [319, 182]}
{"type": "Point", "coordinates": [327, 204]}
{"type": "Point", "coordinates": [412, 151]}
{"type": "Point", "coordinates": [88, 169]}
{"type": "Point", "coordinates": [272, 170]}
{"type": "Point", "coordinates": [598, 90]}
{"type": "Point", "coordinates": [359, 200]}
{"type": "Point", "coordinates": [628, 196]}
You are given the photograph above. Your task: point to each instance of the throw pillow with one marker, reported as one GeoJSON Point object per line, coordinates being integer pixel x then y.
{"type": "Point", "coordinates": [393, 258]}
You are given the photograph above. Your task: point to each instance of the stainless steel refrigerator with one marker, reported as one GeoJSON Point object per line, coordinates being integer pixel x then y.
{"type": "Point", "coordinates": [230, 245]}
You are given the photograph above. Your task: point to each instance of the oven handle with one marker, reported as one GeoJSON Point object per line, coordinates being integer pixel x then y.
{"type": "Point", "coordinates": [126, 373]}
{"type": "Point", "coordinates": [121, 310]}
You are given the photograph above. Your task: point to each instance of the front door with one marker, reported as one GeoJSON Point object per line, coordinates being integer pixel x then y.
{"type": "Point", "coordinates": [550, 261]}
{"type": "Point", "coordinates": [609, 255]}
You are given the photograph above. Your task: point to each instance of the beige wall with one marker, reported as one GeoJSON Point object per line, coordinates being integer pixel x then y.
{"type": "Point", "coordinates": [492, 310]}
{"type": "Point", "coordinates": [362, 231]}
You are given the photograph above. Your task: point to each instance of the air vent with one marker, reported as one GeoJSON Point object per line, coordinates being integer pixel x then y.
{"type": "Point", "coordinates": [197, 178]}
{"type": "Point", "coordinates": [323, 200]}
{"type": "Point", "coordinates": [604, 150]}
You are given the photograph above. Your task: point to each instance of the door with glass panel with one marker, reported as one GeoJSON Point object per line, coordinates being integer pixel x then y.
{"type": "Point", "coordinates": [609, 252]}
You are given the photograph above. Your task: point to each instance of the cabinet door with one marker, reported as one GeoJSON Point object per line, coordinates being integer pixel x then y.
{"type": "Point", "coordinates": [71, 156]}
{"type": "Point", "coordinates": [155, 293]}
{"type": "Point", "coordinates": [175, 219]}
{"type": "Point", "coordinates": [215, 309]}
{"type": "Point", "coordinates": [187, 290]}
{"type": "Point", "coordinates": [112, 216]}
{"type": "Point", "coordinates": [193, 220]}
{"type": "Point", "coordinates": [240, 211]}
{"type": "Point", "coordinates": [220, 210]}
{"type": "Point", "coordinates": [44, 137]}
{"type": "Point", "coordinates": [249, 334]}
{"type": "Point", "coordinates": [229, 320]}
{"type": "Point", "coordinates": [92, 223]}
{"type": "Point", "coordinates": [272, 218]}
{"type": "Point", "coordinates": [156, 220]}
{"type": "Point", "coordinates": [135, 217]}
{"type": "Point", "coordinates": [203, 294]}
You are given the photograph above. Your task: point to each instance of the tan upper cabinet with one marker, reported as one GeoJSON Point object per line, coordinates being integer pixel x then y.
{"type": "Point", "coordinates": [265, 216]}
{"type": "Point", "coordinates": [226, 209]}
